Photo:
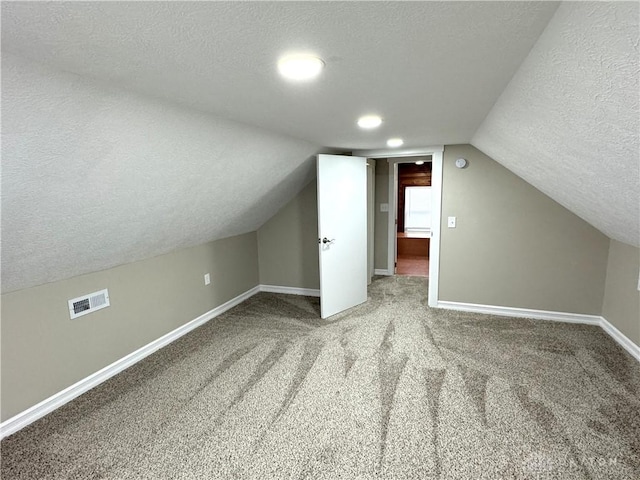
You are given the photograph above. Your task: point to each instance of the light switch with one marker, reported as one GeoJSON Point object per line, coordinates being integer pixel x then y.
{"type": "Point", "coordinates": [451, 222]}
{"type": "Point", "coordinates": [207, 279]}
{"type": "Point", "coordinates": [384, 207]}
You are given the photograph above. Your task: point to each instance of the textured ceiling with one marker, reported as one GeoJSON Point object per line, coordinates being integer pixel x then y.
{"type": "Point", "coordinates": [131, 129]}
{"type": "Point", "coordinates": [119, 135]}
{"type": "Point", "coordinates": [431, 69]}
{"type": "Point", "coordinates": [94, 177]}
{"type": "Point", "coordinates": [569, 122]}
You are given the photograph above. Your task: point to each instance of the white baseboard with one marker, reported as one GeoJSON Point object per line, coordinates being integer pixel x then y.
{"type": "Point", "coordinates": [621, 338]}
{"type": "Point", "coordinates": [381, 271]}
{"type": "Point", "coordinates": [521, 312]}
{"type": "Point", "coordinates": [602, 322]}
{"type": "Point", "coordinates": [55, 401]}
{"type": "Point", "coordinates": [307, 292]}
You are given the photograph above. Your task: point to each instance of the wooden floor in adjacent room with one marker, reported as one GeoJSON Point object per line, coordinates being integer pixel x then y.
{"type": "Point", "coordinates": [417, 266]}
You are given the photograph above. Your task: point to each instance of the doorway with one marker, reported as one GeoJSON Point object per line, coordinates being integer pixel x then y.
{"type": "Point", "coordinates": [394, 157]}
{"type": "Point", "coordinates": [413, 218]}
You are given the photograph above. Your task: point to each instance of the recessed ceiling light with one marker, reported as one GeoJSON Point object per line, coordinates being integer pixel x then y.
{"type": "Point", "coordinates": [369, 121]}
{"type": "Point", "coordinates": [300, 67]}
{"type": "Point", "coordinates": [394, 142]}
{"type": "Point", "coordinates": [419, 162]}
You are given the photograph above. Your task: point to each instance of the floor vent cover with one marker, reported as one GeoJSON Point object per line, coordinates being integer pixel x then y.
{"type": "Point", "coordinates": [88, 303]}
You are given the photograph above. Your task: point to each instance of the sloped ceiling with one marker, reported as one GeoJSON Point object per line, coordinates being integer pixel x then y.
{"type": "Point", "coordinates": [131, 129]}
{"type": "Point", "coordinates": [94, 177]}
{"type": "Point", "coordinates": [569, 122]}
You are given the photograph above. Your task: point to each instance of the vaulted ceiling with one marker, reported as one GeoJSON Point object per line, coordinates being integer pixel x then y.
{"type": "Point", "coordinates": [569, 120]}
{"type": "Point", "coordinates": [134, 128]}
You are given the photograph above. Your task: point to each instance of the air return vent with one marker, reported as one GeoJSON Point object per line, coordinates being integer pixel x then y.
{"type": "Point", "coordinates": [88, 303]}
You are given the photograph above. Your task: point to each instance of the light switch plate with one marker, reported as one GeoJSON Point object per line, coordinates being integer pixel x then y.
{"type": "Point", "coordinates": [207, 279]}
{"type": "Point", "coordinates": [384, 207]}
{"type": "Point", "coordinates": [451, 222]}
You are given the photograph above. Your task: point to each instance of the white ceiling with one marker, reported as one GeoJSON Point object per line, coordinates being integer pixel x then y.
{"type": "Point", "coordinates": [433, 70]}
{"type": "Point", "coordinates": [131, 129]}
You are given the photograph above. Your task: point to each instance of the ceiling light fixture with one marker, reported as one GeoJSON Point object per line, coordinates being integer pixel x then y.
{"type": "Point", "coordinates": [300, 67]}
{"type": "Point", "coordinates": [369, 121]}
{"type": "Point", "coordinates": [419, 162]}
{"type": "Point", "coordinates": [394, 142]}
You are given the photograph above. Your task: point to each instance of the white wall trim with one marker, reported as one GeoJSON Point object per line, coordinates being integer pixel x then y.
{"type": "Point", "coordinates": [382, 271]}
{"type": "Point", "coordinates": [392, 243]}
{"type": "Point", "coordinates": [437, 153]}
{"type": "Point", "coordinates": [521, 312]}
{"type": "Point", "coordinates": [437, 160]}
{"type": "Point", "coordinates": [402, 152]}
{"type": "Point", "coordinates": [621, 338]}
{"type": "Point", "coordinates": [307, 292]}
{"type": "Point", "coordinates": [602, 322]}
{"type": "Point", "coordinates": [57, 400]}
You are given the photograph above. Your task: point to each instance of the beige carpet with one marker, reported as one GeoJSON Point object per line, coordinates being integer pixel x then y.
{"type": "Point", "coordinates": [390, 389]}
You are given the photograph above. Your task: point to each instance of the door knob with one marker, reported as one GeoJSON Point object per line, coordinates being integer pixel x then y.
{"type": "Point", "coordinates": [325, 240]}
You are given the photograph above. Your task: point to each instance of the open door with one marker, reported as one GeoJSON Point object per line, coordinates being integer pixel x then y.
{"type": "Point", "coordinates": [342, 232]}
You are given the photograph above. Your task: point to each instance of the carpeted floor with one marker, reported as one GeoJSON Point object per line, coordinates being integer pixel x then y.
{"type": "Point", "coordinates": [390, 389]}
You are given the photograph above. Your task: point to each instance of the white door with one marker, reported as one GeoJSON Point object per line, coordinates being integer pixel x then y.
{"type": "Point", "coordinates": [342, 232]}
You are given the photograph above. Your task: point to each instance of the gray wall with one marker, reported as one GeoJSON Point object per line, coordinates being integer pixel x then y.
{"type": "Point", "coordinates": [381, 218]}
{"type": "Point", "coordinates": [43, 351]}
{"type": "Point", "coordinates": [288, 243]}
{"type": "Point", "coordinates": [513, 245]}
{"type": "Point", "coordinates": [621, 296]}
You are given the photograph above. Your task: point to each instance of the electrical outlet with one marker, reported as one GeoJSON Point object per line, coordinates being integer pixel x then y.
{"type": "Point", "coordinates": [207, 279]}
{"type": "Point", "coordinates": [451, 222]}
